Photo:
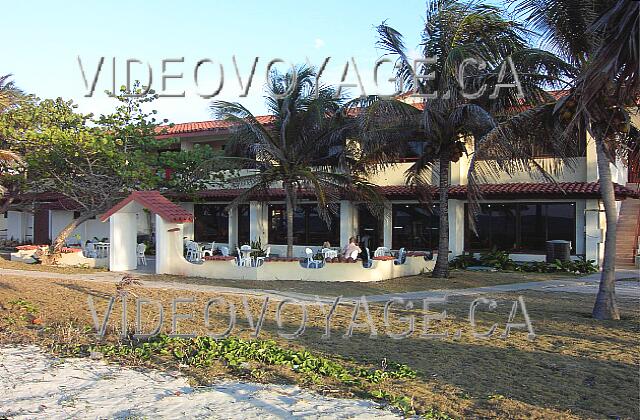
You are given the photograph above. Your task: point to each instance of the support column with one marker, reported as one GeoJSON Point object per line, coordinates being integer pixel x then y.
{"type": "Point", "coordinates": [591, 160]}
{"type": "Point", "coordinates": [123, 238]}
{"type": "Point", "coordinates": [348, 225]}
{"type": "Point", "coordinates": [579, 246]}
{"type": "Point", "coordinates": [258, 221]}
{"type": "Point", "coordinates": [456, 228]}
{"type": "Point", "coordinates": [387, 227]}
{"type": "Point", "coordinates": [593, 232]}
{"type": "Point", "coordinates": [233, 228]}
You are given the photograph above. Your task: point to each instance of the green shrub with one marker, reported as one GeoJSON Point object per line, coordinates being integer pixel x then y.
{"type": "Point", "coordinates": [500, 260]}
{"type": "Point", "coordinates": [463, 261]}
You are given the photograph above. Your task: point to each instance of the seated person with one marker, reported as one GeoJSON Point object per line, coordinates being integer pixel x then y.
{"type": "Point", "coordinates": [326, 245]}
{"type": "Point", "coordinates": [351, 246]}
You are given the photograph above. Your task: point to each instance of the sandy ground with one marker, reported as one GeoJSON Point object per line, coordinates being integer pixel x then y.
{"type": "Point", "coordinates": [36, 385]}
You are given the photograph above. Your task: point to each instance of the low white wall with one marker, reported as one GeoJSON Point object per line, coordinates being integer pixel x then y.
{"type": "Point", "coordinates": [170, 260]}
{"type": "Point", "coordinates": [292, 270]}
{"type": "Point", "coordinates": [70, 259]}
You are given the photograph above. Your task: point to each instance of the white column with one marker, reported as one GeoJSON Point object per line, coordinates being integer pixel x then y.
{"type": "Point", "coordinates": [348, 225]}
{"type": "Point", "coordinates": [258, 221]}
{"type": "Point", "coordinates": [580, 227]}
{"type": "Point", "coordinates": [123, 237]}
{"type": "Point", "coordinates": [169, 246]}
{"type": "Point", "coordinates": [458, 170]}
{"type": "Point", "coordinates": [456, 227]}
{"type": "Point", "coordinates": [233, 228]}
{"type": "Point", "coordinates": [593, 233]}
{"type": "Point", "coordinates": [387, 227]}
{"type": "Point", "coordinates": [591, 161]}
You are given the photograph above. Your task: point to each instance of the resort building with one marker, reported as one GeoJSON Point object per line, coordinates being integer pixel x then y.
{"type": "Point", "coordinates": [519, 212]}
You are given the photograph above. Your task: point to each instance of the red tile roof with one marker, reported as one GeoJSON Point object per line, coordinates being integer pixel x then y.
{"type": "Point", "coordinates": [213, 126]}
{"type": "Point", "coordinates": [218, 126]}
{"type": "Point", "coordinates": [527, 190]}
{"type": "Point", "coordinates": [533, 189]}
{"type": "Point", "coordinates": [156, 203]}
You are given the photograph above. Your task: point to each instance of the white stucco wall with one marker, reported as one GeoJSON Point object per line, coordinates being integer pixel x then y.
{"type": "Point", "coordinates": [19, 226]}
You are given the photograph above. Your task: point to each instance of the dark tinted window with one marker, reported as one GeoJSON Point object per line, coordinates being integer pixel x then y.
{"type": "Point", "coordinates": [211, 223]}
{"type": "Point", "coordinates": [243, 224]}
{"type": "Point", "coordinates": [308, 227]}
{"type": "Point", "coordinates": [521, 227]}
{"type": "Point", "coordinates": [415, 227]}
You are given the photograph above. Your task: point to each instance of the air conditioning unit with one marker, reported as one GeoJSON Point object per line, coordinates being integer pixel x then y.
{"type": "Point", "coordinates": [558, 250]}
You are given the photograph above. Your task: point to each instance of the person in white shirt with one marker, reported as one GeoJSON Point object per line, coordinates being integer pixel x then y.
{"type": "Point", "coordinates": [351, 247]}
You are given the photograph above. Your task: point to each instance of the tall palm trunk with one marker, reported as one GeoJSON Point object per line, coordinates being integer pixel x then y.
{"type": "Point", "coordinates": [441, 270]}
{"type": "Point", "coordinates": [289, 210]}
{"type": "Point", "coordinates": [605, 306]}
{"type": "Point", "coordinates": [60, 240]}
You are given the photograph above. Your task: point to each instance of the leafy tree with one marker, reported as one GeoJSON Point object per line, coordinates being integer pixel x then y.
{"type": "Point", "coordinates": [439, 127]}
{"type": "Point", "coordinates": [301, 148]}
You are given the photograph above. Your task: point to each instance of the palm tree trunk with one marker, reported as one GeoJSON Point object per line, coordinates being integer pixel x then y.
{"type": "Point", "coordinates": [289, 210]}
{"type": "Point", "coordinates": [58, 243]}
{"type": "Point", "coordinates": [605, 306]}
{"type": "Point", "coordinates": [441, 270]}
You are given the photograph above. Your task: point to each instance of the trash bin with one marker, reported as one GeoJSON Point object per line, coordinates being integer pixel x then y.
{"type": "Point", "coordinates": [558, 250]}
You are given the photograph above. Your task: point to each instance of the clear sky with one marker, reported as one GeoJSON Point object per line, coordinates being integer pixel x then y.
{"type": "Point", "coordinates": [45, 39]}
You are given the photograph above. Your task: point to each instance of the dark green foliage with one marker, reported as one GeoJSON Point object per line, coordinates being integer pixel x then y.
{"type": "Point", "coordinates": [500, 260]}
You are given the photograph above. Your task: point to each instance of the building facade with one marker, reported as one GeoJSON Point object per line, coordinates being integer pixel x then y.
{"type": "Point", "coordinates": [519, 212]}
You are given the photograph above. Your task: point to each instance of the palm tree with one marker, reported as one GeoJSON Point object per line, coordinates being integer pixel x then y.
{"type": "Point", "coordinates": [9, 93]}
{"type": "Point", "coordinates": [601, 38]}
{"type": "Point", "coordinates": [453, 32]}
{"type": "Point", "coordinates": [301, 148]}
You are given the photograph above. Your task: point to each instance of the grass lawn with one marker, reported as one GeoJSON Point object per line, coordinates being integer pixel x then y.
{"type": "Point", "coordinates": [576, 367]}
{"type": "Point", "coordinates": [459, 279]}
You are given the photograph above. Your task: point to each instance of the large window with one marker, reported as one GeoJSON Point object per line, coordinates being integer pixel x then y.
{"type": "Point", "coordinates": [415, 227]}
{"type": "Point", "coordinates": [211, 223]}
{"type": "Point", "coordinates": [370, 228]}
{"type": "Point", "coordinates": [521, 227]}
{"type": "Point", "coordinates": [308, 227]}
{"type": "Point", "coordinates": [244, 224]}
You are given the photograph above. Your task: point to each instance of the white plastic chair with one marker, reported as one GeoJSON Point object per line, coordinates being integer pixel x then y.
{"type": "Point", "coordinates": [244, 258]}
{"type": "Point", "coordinates": [260, 260]}
{"type": "Point", "coordinates": [369, 262]}
{"type": "Point", "coordinates": [209, 252]}
{"type": "Point", "coordinates": [329, 253]}
{"type": "Point", "coordinates": [90, 250]}
{"type": "Point", "coordinates": [401, 258]}
{"type": "Point", "coordinates": [310, 260]}
{"type": "Point", "coordinates": [381, 251]}
{"type": "Point", "coordinates": [194, 253]}
{"type": "Point", "coordinates": [140, 250]}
